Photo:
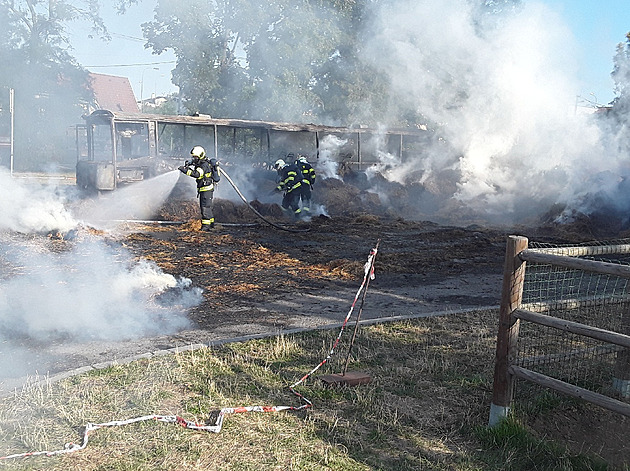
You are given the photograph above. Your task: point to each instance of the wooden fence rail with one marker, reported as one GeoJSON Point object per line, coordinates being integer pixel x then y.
{"type": "Point", "coordinates": [573, 327]}
{"type": "Point", "coordinates": [571, 390]}
{"type": "Point", "coordinates": [593, 266]}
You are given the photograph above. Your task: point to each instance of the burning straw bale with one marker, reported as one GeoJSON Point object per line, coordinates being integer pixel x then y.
{"type": "Point", "coordinates": [224, 211]}
{"type": "Point", "coordinates": [227, 211]}
{"type": "Point", "coordinates": [178, 210]}
{"type": "Point", "coordinates": [343, 199]}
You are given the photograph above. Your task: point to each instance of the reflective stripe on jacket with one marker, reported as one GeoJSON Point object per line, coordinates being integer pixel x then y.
{"type": "Point", "coordinates": [308, 172]}
{"type": "Point", "coordinates": [204, 173]}
{"type": "Point", "coordinates": [290, 178]}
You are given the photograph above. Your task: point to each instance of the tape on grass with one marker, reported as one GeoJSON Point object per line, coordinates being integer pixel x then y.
{"type": "Point", "coordinates": [220, 415]}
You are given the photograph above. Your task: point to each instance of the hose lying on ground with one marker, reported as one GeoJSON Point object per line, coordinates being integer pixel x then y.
{"type": "Point", "coordinates": [277, 226]}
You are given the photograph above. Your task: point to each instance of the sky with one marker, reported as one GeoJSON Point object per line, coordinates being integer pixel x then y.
{"type": "Point", "coordinates": [597, 27]}
{"type": "Point", "coordinates": [125, 54]}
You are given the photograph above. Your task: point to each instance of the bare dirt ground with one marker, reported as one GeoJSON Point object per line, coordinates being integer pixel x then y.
{"type": "Point", "coordinates": [259, 280]}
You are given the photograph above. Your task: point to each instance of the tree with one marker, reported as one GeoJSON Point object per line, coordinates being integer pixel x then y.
{"type": "Point", "coordinates": [352, 91]}
{"type": "Point", "coordinates": [211, 78]}
{"type": "Point", "coordinates": [621, 78]}
{"type": "Point", "coordinates": [290, 60]}
{"type": "Point", "coordinates": [49, 85]}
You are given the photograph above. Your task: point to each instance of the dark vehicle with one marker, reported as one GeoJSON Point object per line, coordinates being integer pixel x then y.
{"type": "Point", "coordinates": [128, 147]}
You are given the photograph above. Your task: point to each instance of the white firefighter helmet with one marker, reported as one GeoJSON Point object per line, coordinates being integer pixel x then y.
{"type": "Point", "coordinates": [302, 159]}
{"type": "Point", "coordinates": [198, 152]}
{"type": "Point", "coordinates": [279, 164]}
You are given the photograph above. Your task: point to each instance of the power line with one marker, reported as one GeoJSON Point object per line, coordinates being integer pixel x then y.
{"type": "Point", "coordinates": [124, 36]}
{"type": "Point", "coordinates": [129, 65]}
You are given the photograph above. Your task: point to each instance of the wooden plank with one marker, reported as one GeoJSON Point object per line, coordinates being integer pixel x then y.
{"type": "Point", "coordinates": [586, 251]}
{"type": "Point", "coordinates": [571, 390]}
{"type": "Point", "coordinates": [594, 266]}
{"type": "Point", "coordinates": [574, 327]}
{"type": "Point", "coordinates": [349, 378]}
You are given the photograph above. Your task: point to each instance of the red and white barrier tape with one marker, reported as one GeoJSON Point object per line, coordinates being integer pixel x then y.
{"type": "Point", "coordinates": [216, 427]}
{"type": "Point", "coordinates": [368, 270]}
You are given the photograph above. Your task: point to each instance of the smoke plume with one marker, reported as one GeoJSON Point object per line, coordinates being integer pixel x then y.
{"type": "Point", "coordinates": [31, 209]}
{"type": "Point", "coordinates": [502, 96]}
{"type": "Point", "coordinates": [499, 95]}
{"type": "Point", "coordinates": [94, 292]}
{"type": "Point", "coordinates": [84, 289]}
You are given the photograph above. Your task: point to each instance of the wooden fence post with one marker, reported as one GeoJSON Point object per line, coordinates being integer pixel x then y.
{"type": "Point", "coordinates": [507, 336]}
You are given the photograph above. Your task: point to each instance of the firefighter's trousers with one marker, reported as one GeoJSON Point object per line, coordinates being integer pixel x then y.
{"type": "Point", "coordinates": [205, 204]}
{"type": "Point", "coordinates": [291, 200]}
{"type": "Point", "coordinates": [305, 190]}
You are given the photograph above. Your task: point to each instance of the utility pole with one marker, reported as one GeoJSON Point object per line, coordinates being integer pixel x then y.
{"type": "Point", "coordinates": [11, 112]}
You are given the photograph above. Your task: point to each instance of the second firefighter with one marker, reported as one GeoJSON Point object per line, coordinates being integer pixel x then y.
{"type": "Point", "coordinates": [289, 182]}
{"type": "Point", "coordinates": [308, 181]}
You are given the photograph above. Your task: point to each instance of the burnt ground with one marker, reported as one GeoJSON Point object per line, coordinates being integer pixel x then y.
{"type": "Point", "coordinates": [260, 280]}
{"type": "Point", "coordinates": [257, 279]}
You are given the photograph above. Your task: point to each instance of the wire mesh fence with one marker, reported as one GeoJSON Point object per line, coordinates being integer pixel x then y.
{"type": "Point", "coordinates": [600, 301]}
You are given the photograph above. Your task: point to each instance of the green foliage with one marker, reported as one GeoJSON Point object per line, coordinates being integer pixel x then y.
{"type": "Point", "coordinates": [49, 85]}
{"type": "Point", "coordinates": [287, 60]}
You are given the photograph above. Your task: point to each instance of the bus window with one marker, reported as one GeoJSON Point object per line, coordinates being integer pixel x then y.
{"type": "Point", "coordinates": [200, 136]}
{"type": "Point", "coordinates": [132, 140]}
{"type": "Point", "coordinates": [171, 140]}
{"type": "Point", "coordinates": [176, 140]}
{"type": "Point", "coordinates": [102, 143]}
{"type": "Point", "coordinates": [285, 142]}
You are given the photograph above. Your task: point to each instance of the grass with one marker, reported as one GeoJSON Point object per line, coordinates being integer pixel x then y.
{"type": "Point", "coordinates": [425, 409]}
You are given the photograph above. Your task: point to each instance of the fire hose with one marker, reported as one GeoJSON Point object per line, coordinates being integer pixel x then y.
{"type": "Point", "coordinates": [218, 423]}
{"type": "Point", "coordinates": [277, 226]}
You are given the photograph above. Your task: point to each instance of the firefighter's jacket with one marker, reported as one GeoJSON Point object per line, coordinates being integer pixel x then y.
{"type": "Point", "coordinates": [289, 179]}
{"type": "Point", "coordinates": [205, 174]}
{"type": "Point", "coordinates": [307, 171]}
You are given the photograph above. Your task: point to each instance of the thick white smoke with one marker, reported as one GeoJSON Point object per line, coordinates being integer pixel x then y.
{"type": "Point", "coordinates": [501, 96]}
{"type": "Point", "coordinates": [248, 179]}
{"type": "Point", "coordinates": [327, 166]}
{"type": "Point", "coordinates": [84, 289]}
{"type": "Point", "coordinates": [33, 208]}
{"type": "Point", "coordinates": [94, 292]}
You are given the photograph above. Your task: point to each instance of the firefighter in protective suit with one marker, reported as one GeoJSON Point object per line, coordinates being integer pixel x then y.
{"type": "Point", "coordinates": [206, 172]}
{"type": "Point", "coordinates": [308, 180]}
{"type": "Point", "coordinates": [289, 182]}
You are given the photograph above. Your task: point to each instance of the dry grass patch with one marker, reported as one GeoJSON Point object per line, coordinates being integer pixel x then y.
{"type": "Point", "coordinates": [430, 393]}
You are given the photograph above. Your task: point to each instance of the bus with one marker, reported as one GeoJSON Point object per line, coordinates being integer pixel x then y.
{"type": "Point", "coordinates": [117, 148]}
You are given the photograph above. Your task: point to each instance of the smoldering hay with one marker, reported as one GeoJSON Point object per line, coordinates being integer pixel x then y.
{"type": "Point", "coordinates": [500, 91]}
{"type": "Point", "coordinates": [93, 289]}
{"type": "Point", "coordinates": [94, 292]}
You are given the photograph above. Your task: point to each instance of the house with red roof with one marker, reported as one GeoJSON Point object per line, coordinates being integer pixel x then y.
{"type": "Point", "coordinates": [112, 93]}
